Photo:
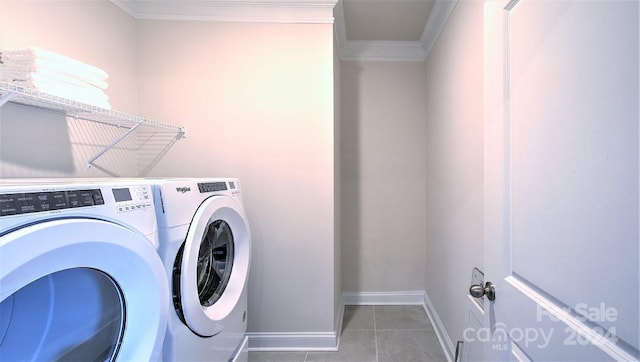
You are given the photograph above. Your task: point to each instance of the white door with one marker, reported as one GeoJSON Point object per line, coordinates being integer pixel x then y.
{"type": "Point", "coordinates": [215, 264]}
{"type": "Point", "coordinates": [561, 181]}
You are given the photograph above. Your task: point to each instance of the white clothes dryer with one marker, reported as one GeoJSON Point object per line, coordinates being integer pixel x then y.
{"type": "Point", "coordinates": [80, 277]}
{"type": "Point", "coordinates": [205, 244]}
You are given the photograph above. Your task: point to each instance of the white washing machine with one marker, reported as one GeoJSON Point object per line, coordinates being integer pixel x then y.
{"type": "Point", "coordinates": [205, 243]}
{"type": "Point", "coordinates": [80, 277]}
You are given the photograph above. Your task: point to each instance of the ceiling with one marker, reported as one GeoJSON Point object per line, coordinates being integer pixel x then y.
{"type": "Point", "coordinates": [371, 30]}
{"type": "Point", "coordinates": [387, 20]}
{"type": "Point", "coordinates": [389, 30]}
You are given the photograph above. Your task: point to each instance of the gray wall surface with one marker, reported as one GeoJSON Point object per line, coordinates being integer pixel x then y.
{"type": "Point", "coordinates": [455, 146]}
{"type": "Point", "coordinates": [383, 176]}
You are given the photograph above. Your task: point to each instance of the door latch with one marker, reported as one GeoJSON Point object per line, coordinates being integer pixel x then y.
{"type": "Point", "coordinates": [477, 291]}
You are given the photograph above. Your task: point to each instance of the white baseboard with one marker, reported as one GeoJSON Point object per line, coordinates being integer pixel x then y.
{"type": "Point", "coordinates": [329, 341]}
{"type": "Point", "coordinates": [300, 341]}
{"type": "Point", "coordinates": [383, 298]}
{"type": "Point", "coordinates": [337, 327]}
{"type": "Point", "coordinates": [438, 327]}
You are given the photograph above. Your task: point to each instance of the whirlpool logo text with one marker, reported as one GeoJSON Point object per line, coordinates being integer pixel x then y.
{"type": "Point", "coordinates": [183, 189]}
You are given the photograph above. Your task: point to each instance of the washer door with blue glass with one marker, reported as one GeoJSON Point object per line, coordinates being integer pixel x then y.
{"type": "Point", "coordinates": [80, 290]}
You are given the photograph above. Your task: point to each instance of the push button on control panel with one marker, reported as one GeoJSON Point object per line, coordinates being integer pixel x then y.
{"type": "Point", "coordinates": [19, 203]}
{"type": "Point", "coordinates": [130, 199]}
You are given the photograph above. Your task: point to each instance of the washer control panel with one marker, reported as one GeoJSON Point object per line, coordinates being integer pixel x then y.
{"type": "Point", "coordinates": [133, 198]}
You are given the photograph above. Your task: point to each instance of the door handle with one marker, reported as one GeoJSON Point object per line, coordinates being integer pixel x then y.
{"type": "Point", "coordinates": [477, 291]}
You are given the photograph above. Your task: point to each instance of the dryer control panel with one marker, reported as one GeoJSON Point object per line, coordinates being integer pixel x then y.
{"type": "Point", "coordinates": [212, 186]}
{"type": "Point", "coordinates": [18, 203]}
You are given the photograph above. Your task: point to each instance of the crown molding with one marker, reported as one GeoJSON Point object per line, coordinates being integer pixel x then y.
{"type": "Point", "coordinates": [440, 13]}
{"type": "Point", "coordinates": [247, 11]}
{"type": "Point", "coordinates": [408, 51]}
{"type": "Point", "coordinates": [297, 12]}
{"type": "Point", "coordinates": [399, 51]}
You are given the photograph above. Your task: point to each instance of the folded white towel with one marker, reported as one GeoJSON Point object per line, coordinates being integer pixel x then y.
{"type": "Point", "coordinates": [53, 70]}
{"type": "Point", "coordinates": [55, 74]}
{"type": "Point", "coordinates": [29, 55]}
{"type": "Point", "coordinates": [11, 73]}
{"type": "Point", "coordinates": [94, 97]}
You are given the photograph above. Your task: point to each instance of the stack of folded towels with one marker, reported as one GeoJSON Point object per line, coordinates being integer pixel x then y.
{"type": "Point", "coordinates": [55, 74]}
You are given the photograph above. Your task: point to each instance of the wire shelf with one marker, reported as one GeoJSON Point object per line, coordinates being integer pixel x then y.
{"type": "Point", "coordinates": [14, 93]}
{"type": "Point", "coordinates": [32, 97]}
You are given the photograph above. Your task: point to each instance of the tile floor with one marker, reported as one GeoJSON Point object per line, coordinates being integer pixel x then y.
{"type": "Point", "coordinates": [381, 333]}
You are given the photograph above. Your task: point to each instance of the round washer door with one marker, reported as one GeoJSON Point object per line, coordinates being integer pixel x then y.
{"type": "Point", "coordinates": [80, 249]}
{"type": "Point", "coordinates": [215, 264]}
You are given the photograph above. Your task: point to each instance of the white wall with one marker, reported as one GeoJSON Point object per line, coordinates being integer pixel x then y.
{"type": "Point", "coordinates": [383, 176]}
{"type": "Point", "coordinates": [257, 103]}
{"type": "Point", "coordinates": [454, 134]}
{"type": "Point", "coordinates": [257, 100]}
{"type": "Point", "coordinates": [42, 144]}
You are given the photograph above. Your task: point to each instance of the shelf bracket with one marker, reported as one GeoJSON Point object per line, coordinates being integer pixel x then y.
{"type": "Point", "coordinates": [112, 144]}
{"type": "Point", "coordinates": [7, 97]}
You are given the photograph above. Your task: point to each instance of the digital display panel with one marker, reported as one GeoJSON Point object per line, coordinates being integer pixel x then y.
{"type": "Point", "coordinates": [212, 186]}
{"type": "Point", "coordinates": [122, 194]}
